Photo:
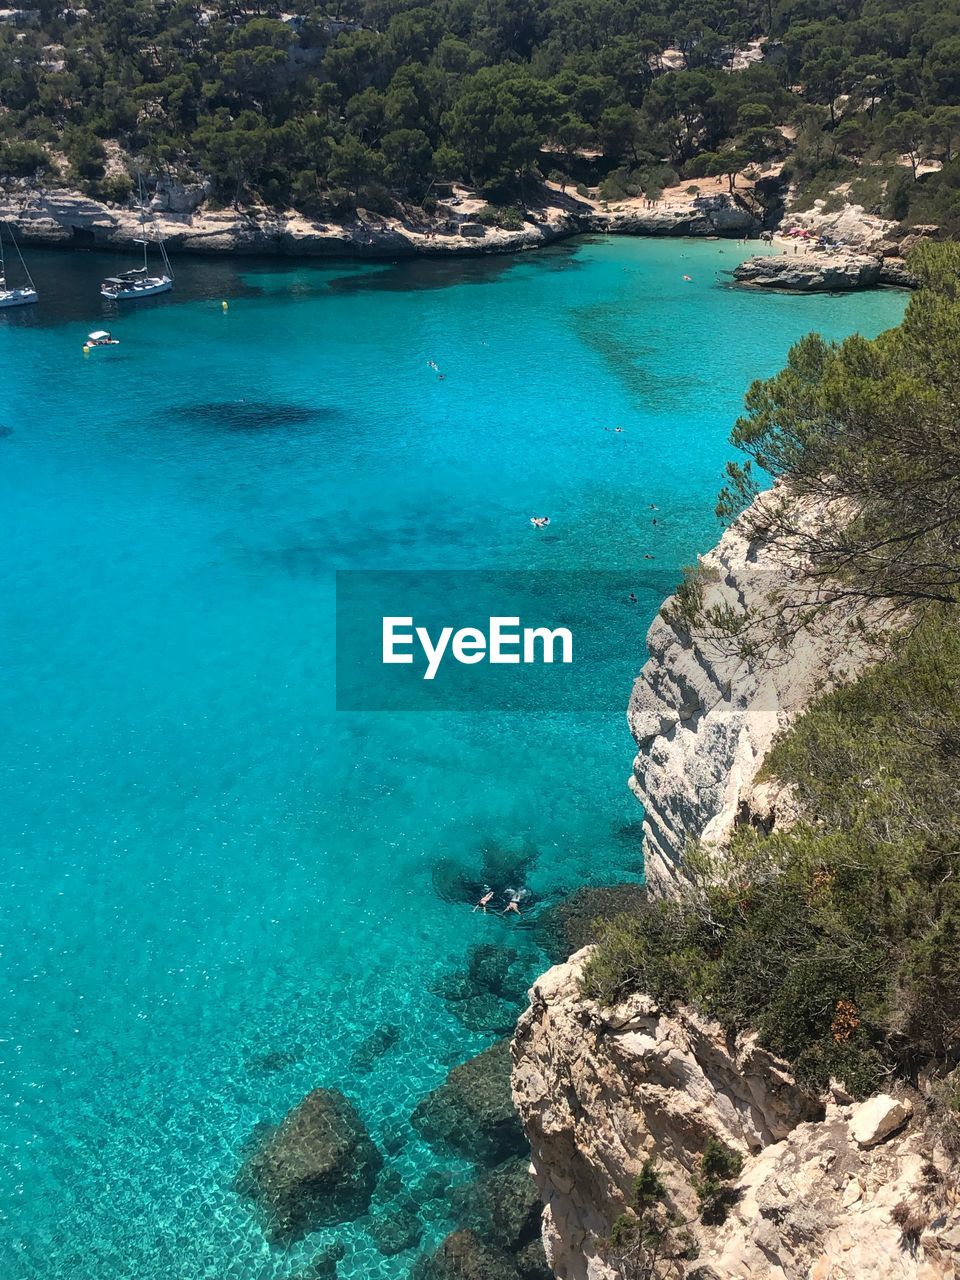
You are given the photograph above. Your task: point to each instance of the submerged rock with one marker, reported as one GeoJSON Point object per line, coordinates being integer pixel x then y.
{"type": "Point", "coordinates": [571, 924]}
{"type": "Point", "coordinates": [275, 1060]}
{"type": "Point", "coordinates": [495, 866]}
{"type": "Point", "coordinates": [324, 1265]}
{"type": "Point", "coordinates": [473, 1111]}
{"type": "Point", "coordinates": [434, 1185]}
{"type": "Point", "coordinates": [318, 1167]}
{"type": "Point", "coordinates": [488, 994]}
{"type": "Point", "coordinates": [532, 1262]}
{"type": "Point", "coordinates": [375, 1046]}
{"type": "Point", "coordinates": [464, 1256]}
{"type": "Point", "coordinates": [396, 1232]}
{"type": "Point", "coordinates": [502, 1206]}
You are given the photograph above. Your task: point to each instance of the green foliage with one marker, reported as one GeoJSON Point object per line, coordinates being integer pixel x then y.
{"type": "Point", "coordinates": [256, 100]}
{"type": "Point", "coordinates": [719, 1166]}
{"type": "Point", "coordinates": [116, 189]}
{"type": "Point", "coordinates": [509, 218]}
{"type": "Point", "coordinates": [838, 939]}
{"type": "Point", "coordinates": [684, 609]}
{"type": "Point", "coordinates": [867, 431]}
{"type": "Point", "coordinates": [23, 159]}
{"type": "Point", "coordinates": [644, 1237]}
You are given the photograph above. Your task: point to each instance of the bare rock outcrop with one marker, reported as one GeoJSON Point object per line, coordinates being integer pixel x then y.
{"type": "Point", "coordinates": [823, 272]}
{"type": "Point", "coordinates": [850, 224]}
{"type": "Point", "coordinates": [599, 1090]}
{"type": "Point", "coordinates": [704, 717]}
{"type": "Point", "coordinates": [182, 216]}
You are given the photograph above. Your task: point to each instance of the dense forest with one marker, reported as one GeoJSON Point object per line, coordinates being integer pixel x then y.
{"type": "Point", "coordinates": [371, 101]}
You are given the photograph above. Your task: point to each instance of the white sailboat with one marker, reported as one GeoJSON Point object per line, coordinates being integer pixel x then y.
{"type": "Point", "coordinates": [140, 282]}
{"type": "Point", "coordinates": [19, 295]}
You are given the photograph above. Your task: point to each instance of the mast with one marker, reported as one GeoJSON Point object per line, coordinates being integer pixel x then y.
{"type": "Point", "coordinates": [3, 271]}
{"type": "Point", "coordinates": [143, 220]}
{"type": "Point", "coordinates": [26, 271]}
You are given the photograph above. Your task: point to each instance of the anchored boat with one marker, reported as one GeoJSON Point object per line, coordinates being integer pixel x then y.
{"type": "Point", "coordinates": [140, 282]}
{"type": "Point", "coordinates": [17, 295]}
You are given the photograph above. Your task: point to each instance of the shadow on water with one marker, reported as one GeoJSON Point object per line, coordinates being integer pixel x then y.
{"type": "Point", "coordinates": [254, 415]}
{"type": "Point", "coordinates": [410, 275]}
{"type": "Point", "coordinates": [68, 281]}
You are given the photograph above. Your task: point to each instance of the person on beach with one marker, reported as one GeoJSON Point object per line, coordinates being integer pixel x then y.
{"type": "Point", "coordinates": [485, 900]}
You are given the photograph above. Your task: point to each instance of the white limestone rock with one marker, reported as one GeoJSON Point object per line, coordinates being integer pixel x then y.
{"type": "Point", "coordinates": [598, 1090]}
{"type": "Point", "coordinates": [877, 1118]}
{"type": "Point", "coordinates": [703, 717]}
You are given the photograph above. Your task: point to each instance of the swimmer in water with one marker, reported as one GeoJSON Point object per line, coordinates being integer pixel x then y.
{"type": "Point", "coordinates": [485, 900]}
{"type": "Point", "coordinates": [514, 898]}
{"type": "Point", "coordinates": [632, 598]}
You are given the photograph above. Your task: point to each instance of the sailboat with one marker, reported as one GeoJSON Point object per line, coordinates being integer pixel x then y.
{"type": "Point", "coordinates": [21, 294]}
{"type": "Point", "coordinates": [140, 282]}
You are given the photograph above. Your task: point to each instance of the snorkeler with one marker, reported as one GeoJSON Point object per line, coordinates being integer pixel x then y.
{"type": "Point", "coordinates": [485, 900]}
{"type": "Point", "coordinates": [514, 898]}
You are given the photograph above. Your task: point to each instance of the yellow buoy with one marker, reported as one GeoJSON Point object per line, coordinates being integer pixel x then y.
{"type": "Point", "coordinates": [224, 306]}
{"type": "Point", "coordinates": [86, 350]}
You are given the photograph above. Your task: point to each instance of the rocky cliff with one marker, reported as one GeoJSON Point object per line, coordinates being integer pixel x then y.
{"type": "Point", "coordinates": [822, 1188]}
{"type": "Point", "coordinates": [178, 214]}
{"type": "Point", "coordinates": [828, 1190]}
{"type": "Point", "coordinates": [704, 717]}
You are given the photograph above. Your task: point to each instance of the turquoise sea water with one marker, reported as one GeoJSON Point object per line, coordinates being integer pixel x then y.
{"type": "Point", "coordinates": [213, 886]}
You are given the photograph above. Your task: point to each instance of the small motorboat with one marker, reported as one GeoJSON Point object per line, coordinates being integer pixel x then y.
{"type": "Point", "coordinates": [101, 338]}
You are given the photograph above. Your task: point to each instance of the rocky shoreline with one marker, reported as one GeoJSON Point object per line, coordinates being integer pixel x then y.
{"type": "Point", "coordinates": [819, 1187]}
{"type": "Point", "coordinates": [60, 218]}
{"type": "Point", "coordinates": [703, 716]}
{"type": "Point", "coordinates": [824, 272]}
{"type": "Point", "coordinates": [68, 219]}
{"type": "Point", "coordinates": [821, 1181]}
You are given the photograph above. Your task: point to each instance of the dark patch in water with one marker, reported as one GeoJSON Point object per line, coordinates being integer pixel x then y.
{"type": "Point", "coordinates": [5, 431]}
{"type": "Point", "coordinates": [274, 1060]}
{"type": "Point", "coordinates": [493, 867]}
{"type": "Point", "coordinates": [408, 275]}
{"type": "Point", "coordinates": [255, 415]}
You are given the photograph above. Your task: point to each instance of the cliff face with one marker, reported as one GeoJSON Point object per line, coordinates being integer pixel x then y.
{"type": "Point", "coordinates": [599, 1090]}
{"type": "Point", "coordinates": [703, 717]}
{"type": "Point", "coordinates": [67, 218]}
{"type": "Point", "coordinates": [829, 1189]}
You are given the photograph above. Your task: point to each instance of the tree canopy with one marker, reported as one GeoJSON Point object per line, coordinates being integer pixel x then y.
{"type": "Point", "coordinates": [300, 103]}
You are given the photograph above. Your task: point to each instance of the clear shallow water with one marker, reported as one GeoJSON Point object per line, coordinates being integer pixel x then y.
{"type": "Point", "coordinates": [202, 863]}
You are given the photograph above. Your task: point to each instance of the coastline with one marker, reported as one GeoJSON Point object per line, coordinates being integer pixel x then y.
{"type": "Point", "coordinates": [67, 219]}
